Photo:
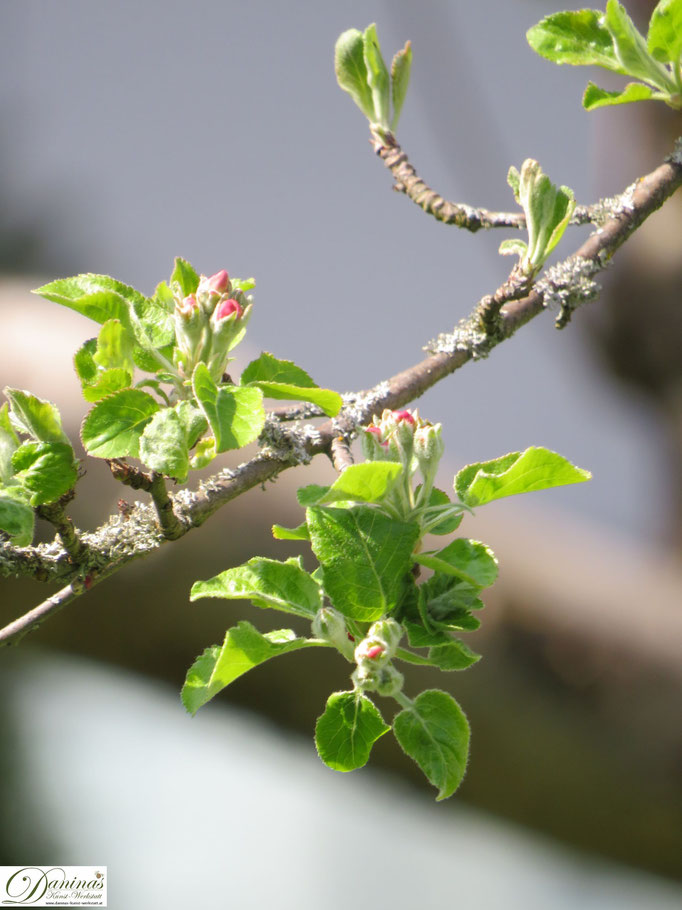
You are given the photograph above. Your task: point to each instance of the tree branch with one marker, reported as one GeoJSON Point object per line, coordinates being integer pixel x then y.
{"type": "Point", "coordinates": [124, 539]}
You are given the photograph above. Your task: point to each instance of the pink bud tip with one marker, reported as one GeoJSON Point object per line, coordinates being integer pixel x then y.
{"type": "Point", "coordinates": [374, 651]}
{"type": "Point", "coordinates": [375, 430]}
{"type": "Point", "coordinates": [227, 308]}
{"type": "Point", "coordinates": [404, 415]}
{"type": "Point", "coordinates": [188, 304]}
{"type": "Point", "coordinates": [218, 282]}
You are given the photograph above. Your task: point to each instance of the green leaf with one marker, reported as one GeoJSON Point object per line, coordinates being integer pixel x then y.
{"type": "Point", "coordinates": [9, 443]}
{"type": "Point", "coordinates": [204, 454]}
{"type": "Point", "coordinates": [298, 533]}
{"type": "Point", "coordinates": [114, 426]}
{"type": "Point", "coordinates": [84, 362]}
{"type": "Point", "coordinates": [518, 472]}
{"type": "Point", "coordinates": [267, 368]}
{"type": "Point", "coordinates": [235, 414]}
{"type": "Point", "coordinates": [419, 637]}
{"type": "Point", "coordinates": [351, 70]}
{"type": "Point", "coordinates": [149, 360]}
{"type": "Point", "coordinates": [631, 49]}
{"type": "Point", "coordinates": [311, 494]}
{"type": "Point", "coordinates": [469, 560]}
{"type": "Point", "coordinates": [46, 469]}
{"type": "Point", "coordinates": [445, 596]}
{"type": "Point", "coordinates": [98, 297]}
{"type": "Point", "coordinates": [365, 556]}
{"type": "Point", "coordinates": [377, 76]}
{"type": "Point", "coordinates": [454, 655]}
{"type": "Point", "coordinates": [17, 518]}
{"type": "Point", "coordinates": [152, 324]}
{"type": "Point", "coordinates": [346, 732]}
{"type": "Point", "coordinates": [330, 402]}
{"type": "Point", "coordinates": [369, 481]}
{"type": "Point", "coordinates": [185, 276]}
{"type": "Point", "coordinates": [243, 284]}
{"type": "Point", "coordinates": [451, 520]}
{"type": "Point", "coordinates": [513, 247]}
{"type": "Point", "coordinates": [193, 420]}
{"type": "Point", "coordinates": [35, 416]}
{"type": "Point", "coordinates": [664, 40]}
{"type": "Point", "coordinates": [244, 648]}
{"type": "Point", "coordinates": [114, 347]}
{"type": "Point", "coordinates": [579, 38]}
{"type": "Point", "coordinates": [106, 383]}
{"type": "Point", "coordinates": [267, 583]}
{"type": "Point", "coordinates": [595, 97]}
{"type": "Point", "coordinates": [435, 733]}
{"type": "Point", "coordinates": [163, 445]}
{"type": "Point", "coordinates": [400, 79]}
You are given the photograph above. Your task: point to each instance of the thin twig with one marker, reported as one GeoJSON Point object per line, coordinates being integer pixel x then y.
{"type": "Point", "coordinates": [15, 631]}
{"type": "Point", "coordinates": [129, 475]}
{"type": "Point", "coordinates": [55, 514]}
{"type": "Point", "coordinates": [340, 454]}
{"type": "Point", "coordinates": [406, 180]}
{"type": "Point", "coordinates": [171, 526]}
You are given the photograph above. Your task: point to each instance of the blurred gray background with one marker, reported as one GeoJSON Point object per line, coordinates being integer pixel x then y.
{"type": "Point", "coordinates": [136, 131]}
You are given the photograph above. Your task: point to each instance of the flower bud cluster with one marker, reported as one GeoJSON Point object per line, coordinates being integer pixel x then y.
{"type": "Point", "coordinates": [209, 323]}
{"type": "Point", "coordinates": [403, 436]}
{"type": "Point", "coordinates": [373, 656]}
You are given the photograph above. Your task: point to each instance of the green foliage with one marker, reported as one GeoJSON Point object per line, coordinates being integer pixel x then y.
{"type": "Point", "coordinates": [47, 469]}
{"type": "Point", "coordinates": [366, 530]}
{"type": "Point", "coordinates": [548, 210]}
{"type": "Point", "coordinates": [361, 71]}
{"type": "Point", "coordinates": [234, 413]}
{"type": "Point", "coordinates": [244, 647]}
{"type": "Point", "coordinates": [611, 40]}
{"type": "Point", "coordinates": [282, 379]}
{"type": "Point", "coordinates": [346, 732]}
{"type": "Point", "coordinates": [17, 518]}
{"type": "Point", "coordinates": [435, 733]}
{"type": "Point", "coordinates": [115, 425]}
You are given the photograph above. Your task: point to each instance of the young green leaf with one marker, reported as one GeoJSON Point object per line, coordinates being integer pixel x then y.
{"type": "Point", "coordinates": [368, 481]}
{"type": "Point", "coordinates": [84, 362]}
{"type": "Point", "coordinates": [454, 655]}
{"type": "Point", "coordinates": [46, 469]}
{"type": "Point", "coordinates": [193, 420]}
{"type": "Point", "coordinates": [346, 732]}
{"type": "Point", "coordinates": [311, 494]}
{"type": "Point", "coordinates": [268, 368]}
{"type": "Point", "coordinates": [351, 70]}
{"type": "Point", "coordinates": [9, 443]}
{"type": "Point", "coordinates": [244, 648]}
{"type": "Point", "coordinates": [631, 48]}
{"type": "Point", "coordinates": [184, 276]}
{"type": "Point", "coordinates": [595, 97]}
{"type": "Point", "coordinates": [114, 347]}
{"type": "Point", "coordinates": [17, 518]}
{"type": "Point", "coordinates": [451, 520]}
{"type": "Point", "coordinates": [435, 733]}
{"type": "Point", "coordinates": [298, 533]}
{"type": "Point", "coordinates": [469, 560]}
{"type": "Point", "coordinates": [114, 426]}
{"type": "Point", "coordinates": [266, 583]}
{"type": "Point", "coordinates": [204, 454]}
{"type": "Point", "coordinates": [235, 413]}
{"type": "Point", "coordinates": [365, 556]}
{"type": "Point", "coordinates": [518, 472]}
{"type": "Point", "coordinates": [664, 39]}
{"type": "Point", "coordinates": [98, 297]}
{"type": "Point", "coordinates": [35, 416]}
{"type": "Point", "coordinates": [400, 79]}
{"type": "Point", "coordinates": [445, 595]}
{"type": "Point", "coordinates": [330, 402]}
{"type": "Point", "coordinates": [377, 76]}
{"type": "Point", "coordinates": [576, 37]}
{"type": "Point", "coordinates": [106, 383]}
{"type": "Point", "coordinates": [163, 445]}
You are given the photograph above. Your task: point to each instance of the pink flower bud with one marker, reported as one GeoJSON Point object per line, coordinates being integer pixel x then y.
{"type": "Point", "coordinates": [226, 308]}
{"type": "Point", "coordinates": [374, 651]}
{"type": "Point", "coordinates": [218, 282]}
{"type": "Point", "coordinates": [187, 305]}
{"type": "Point", "coordinates": [404, 415]}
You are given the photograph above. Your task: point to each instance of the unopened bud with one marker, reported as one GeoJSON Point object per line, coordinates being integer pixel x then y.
{"type": "Point", "coordinates": [218, 282]}
{"type": "Point", "coordinates": [227, 308]}
{"type": "Point", "coordinates": [387, 633]}
{"type": "Point", "coordinates": [429, 448]}
{"type": "Point", "coordinates": [329, 625]}
{"type": "Point", "coordinates": [389, 681]}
